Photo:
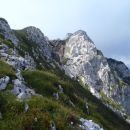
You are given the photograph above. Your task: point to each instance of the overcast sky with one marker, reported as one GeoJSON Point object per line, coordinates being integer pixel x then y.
{"type": "Point", "coordinates": [107, 22]}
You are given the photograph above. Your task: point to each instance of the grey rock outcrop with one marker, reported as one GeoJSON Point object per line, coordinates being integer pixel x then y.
{"type": "Point", "coordinates": [58, 47]}
{"type": "Point", "coordinates": [20, 89]}
{"type": "Point", "coordinates": [6, 31]}
{"type": "Point", "coordinates": [89, 125]}
{"type": "Point", "coordinates": [17, 61]}
{"type": "Point", "coordinates": [120, 70]}
{"type": "Point", "coordinates": [35, 35]}
{"type": "Point", "coordinates": [26, 107]}
{"type": "Point", "coordinates": [3, 82]}
{"type": "Point", "coordinates": [11, 57]}
{"type": "Point", "coordinates": [60, 89]}
{"type": "Point", "coordinates": [121, 90]}
{"type": "Point", "coordinates": [56, 96]}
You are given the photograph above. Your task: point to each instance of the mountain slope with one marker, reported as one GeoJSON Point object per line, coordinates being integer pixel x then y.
{"type": "Point", "coordinates": [46, 88]}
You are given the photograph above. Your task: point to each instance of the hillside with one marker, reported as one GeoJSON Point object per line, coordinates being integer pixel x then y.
{"type": "Point", "coordinates": [42, 85]}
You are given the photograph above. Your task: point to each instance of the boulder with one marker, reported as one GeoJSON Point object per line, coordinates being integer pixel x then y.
{"type": "Point", "coordinates": [26, 107]}
{"type": "Point", "coordinates": [3, 82]}
{"type": "Point", "coordinates": [89, 125]}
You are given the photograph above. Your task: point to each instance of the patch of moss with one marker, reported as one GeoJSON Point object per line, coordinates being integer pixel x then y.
{"type": "Point", "coordinates": [41, 81]}
{"type": "Point", "coordinates": [8, 43]}
{"type": "Point", "coordinates": [6, 70]}
{"type": "Point", "coordinates": [122, 83]}
{"type": "Point", "coordinates": [1, 36]}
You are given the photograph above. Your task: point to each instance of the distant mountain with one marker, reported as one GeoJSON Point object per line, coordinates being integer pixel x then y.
{"type": "Point", "coordinates": [60, 84]}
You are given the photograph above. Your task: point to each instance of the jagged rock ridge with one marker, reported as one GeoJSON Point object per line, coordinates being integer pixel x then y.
{"type": "Point", "coordinates": [83, 61]}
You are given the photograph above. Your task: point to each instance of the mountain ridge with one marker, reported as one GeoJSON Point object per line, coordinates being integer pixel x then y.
{"type": "Point", "coordinates": [76, 55]}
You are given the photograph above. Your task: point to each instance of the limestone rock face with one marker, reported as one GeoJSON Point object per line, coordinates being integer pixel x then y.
{"type": "Point", "coordinates": [16, 60]}
{"type": "Point", "coordinates": [84, 62]}
{"type": "Point", "coordinates": [20, 89]}
{"type": "Point", "coordinates": [35, 35]}
{"type": "Point", "coordinates": [7, 32]}
{"type": "Point", "coordinates": [121, 91]}
{"type": "Point", "coordinates": [81, 60]}
{"type": "Point", "coordinates": [120, 69]}
{"type": "Point", "coordinates": [3, 82]}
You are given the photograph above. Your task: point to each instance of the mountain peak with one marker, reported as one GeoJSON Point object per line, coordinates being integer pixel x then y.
{"type": "Point", "coordinates": [81, 33]}
{"type": "Point", "coordinates": [6, 31]}
{"type": "Point", "coordinates": [33, 30]}
{"type": "Point", "coordinates": [34, 34]}
{"type": "Point", "coordinates": [3, 20]}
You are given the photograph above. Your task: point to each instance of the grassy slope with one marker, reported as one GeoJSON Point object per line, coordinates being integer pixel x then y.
{"type": "Point", "coordinates": [46, 108]}
{"type": "Point", "coordinates": [45, 83]}
{"type": "Point", "coordinates": [6, 70]}
{"type": "Point", "coordinates": [42, 108]}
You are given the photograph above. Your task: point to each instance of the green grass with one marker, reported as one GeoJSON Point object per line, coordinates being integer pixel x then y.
{"type": "Point", "coordinates": [8, 43]}
{"type": "Point", "coordinates": [46, 82]}
{"type": "Point", "coordinates": [42, 84]}
{"type": "Point", "coordinates": [42, 108]}
{"type": "Point", "coordinates": [6, 70]}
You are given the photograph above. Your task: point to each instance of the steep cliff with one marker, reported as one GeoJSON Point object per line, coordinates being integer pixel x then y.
{"type": "Point", "coordinates": [107, 79]}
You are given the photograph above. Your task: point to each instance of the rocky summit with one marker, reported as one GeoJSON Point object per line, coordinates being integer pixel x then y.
{"type": "Point", "coordinates": [59, 84]}
{"type": "Point", "coordinates": [82, 61]}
